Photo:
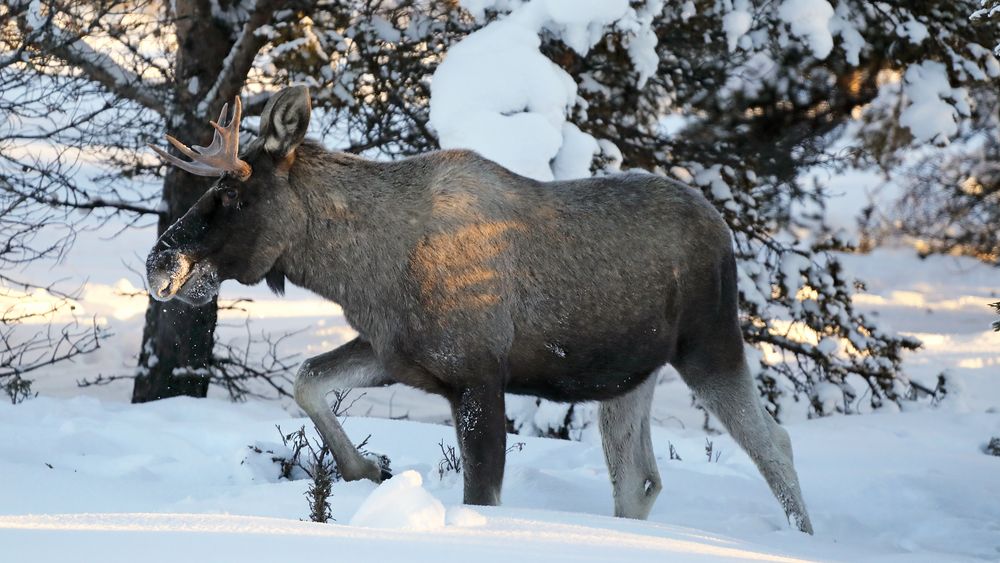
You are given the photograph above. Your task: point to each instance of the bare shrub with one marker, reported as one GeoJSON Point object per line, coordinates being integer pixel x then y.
{"type": "Point", "coordinates": [993, 447]}
{"type": "Point", "coordinates": [451, 461]}
{"type": "Point", "coordinates": [673, 453]}
{"type": "Point", "coordinates": [710, 451]}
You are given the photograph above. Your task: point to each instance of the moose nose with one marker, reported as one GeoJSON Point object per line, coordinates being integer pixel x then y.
{"type": "Point", "coordinates": [163, 291]}
{"type": "Point", "coordinates": [165, 272]}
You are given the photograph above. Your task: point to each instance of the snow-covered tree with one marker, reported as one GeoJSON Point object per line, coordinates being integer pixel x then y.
{"type": "Point", "coordinates": [946, 104]}
{"type": "Point", "coordinates": [989, 13]}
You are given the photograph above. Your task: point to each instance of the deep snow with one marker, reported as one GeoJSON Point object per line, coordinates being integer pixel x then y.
{"type": "Point", "coordinates": [177, 480]}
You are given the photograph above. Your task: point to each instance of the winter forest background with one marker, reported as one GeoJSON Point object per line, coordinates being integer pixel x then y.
{"type": "Point", "coordinates": [853, 148]}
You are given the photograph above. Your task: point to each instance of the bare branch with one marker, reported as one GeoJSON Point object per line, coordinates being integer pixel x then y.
{"type": "Point", "coordinates": [97, 66]}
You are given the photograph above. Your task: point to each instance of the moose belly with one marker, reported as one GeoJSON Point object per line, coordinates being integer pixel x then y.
{"type": "Point", "coordinates": [592, 367]}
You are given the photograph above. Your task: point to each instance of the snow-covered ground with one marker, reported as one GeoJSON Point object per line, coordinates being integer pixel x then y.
{"type": "Point", "coordinates": [177, 480]}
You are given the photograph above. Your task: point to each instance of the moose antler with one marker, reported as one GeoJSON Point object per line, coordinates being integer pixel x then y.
{"type": "Point", "coordinates": [218, 158]}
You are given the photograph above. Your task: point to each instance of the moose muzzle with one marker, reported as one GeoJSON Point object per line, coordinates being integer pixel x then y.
{"type": "Point", "coordinates": [173, 273]}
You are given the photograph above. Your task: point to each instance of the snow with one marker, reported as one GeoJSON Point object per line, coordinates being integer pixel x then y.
{"type": "Point", "coordinates": [736, 23]}
{"type": "Point", "coordinates": [385, 30]}
{"type": "Point", "coordinates": [688, 10]}
{"type": "Point", "coordinates": [168, 538]}
{"type": "Point", "coordinates": [792, 267]}
{"type": "Point", "coordinates": [497, 94]}
{"type": "Point", "coordinates": [575, 154]}
{"type": "Point", "coordinates": [828, 395]}
{"type": "Point", "coordinates": [464, 517]}
{"type": "Point", "coordinates": [174, 480]}
{"type": "Point", "coordinates": [852, 41]}
{"type": "Point", "coordinates": [810, 20]}
{"type": "Point", "coordinates": [682, 174]}
{"type": "Point", "coordinates": [934, 106]}
{"type": "Point", "coordinates": [914, 31]}
{"type": "Point", "coordinates": [401, 503]}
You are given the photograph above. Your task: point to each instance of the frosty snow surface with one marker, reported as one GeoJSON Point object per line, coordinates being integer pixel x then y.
{"type": "Point", "coordinates": [175, 480]}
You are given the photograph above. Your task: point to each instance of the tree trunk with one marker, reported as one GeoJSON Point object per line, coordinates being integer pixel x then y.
{"type": "Point", "coordinates": [178, 339]}
{"type": "Point", "coordinates": [176, 351]}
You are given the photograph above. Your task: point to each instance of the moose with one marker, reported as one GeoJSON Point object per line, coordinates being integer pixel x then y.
{"type": "Point", "coordinates": [467, 280]}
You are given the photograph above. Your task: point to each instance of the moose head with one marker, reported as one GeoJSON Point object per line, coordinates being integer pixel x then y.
{"type": "Point", "coordinates": [241, 226]}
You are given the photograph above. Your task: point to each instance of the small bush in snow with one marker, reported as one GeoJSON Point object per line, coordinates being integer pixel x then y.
{"type": "Point", "coordinates": [306, 457]}
{"type": "Point", "coordinates": [18, 389]}
{"type": "Point", "coordinates": [319, 491]}
{"type": "Point", "coordinates": [517, 446]}
{"type": "Point", "coordinates": [451, 462]}
{"type": "Point", "coordinates": [993, 447]}
{"type": "Point", "coordinates": [710, 451]}
{"type": "Point", "coordinates": [314, 458]}
{"type": "Point", "coordinates": [311, 458]}
{"type": "Point", "coordinates": [673, 453]}
{"type": "Point", "coordinates": [342, 401]}
{"type": "Point", "coordinates": [945, 385]}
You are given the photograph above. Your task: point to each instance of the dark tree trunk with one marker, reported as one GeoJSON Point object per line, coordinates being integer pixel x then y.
{"type": "Point", "coordinates": [176, 352]}
{"type": "Point", "coordinates": [178, 339]}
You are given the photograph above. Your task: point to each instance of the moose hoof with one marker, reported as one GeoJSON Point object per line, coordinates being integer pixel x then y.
{"type": "Point", "coordinates": [366, 469]}
{"type": "Point", "coordinates": [374, 467]}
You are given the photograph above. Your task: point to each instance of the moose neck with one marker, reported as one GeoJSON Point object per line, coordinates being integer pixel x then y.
{"type": "Point", "coordinates": [355, 244]}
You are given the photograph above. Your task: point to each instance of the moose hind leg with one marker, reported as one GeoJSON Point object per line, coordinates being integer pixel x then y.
{"type": "Point", "coordinates": [349, 366]}
{"type": "Point", "coordinates": [628, 451]}
{"type": "Point", "coordinates": [730, 394]}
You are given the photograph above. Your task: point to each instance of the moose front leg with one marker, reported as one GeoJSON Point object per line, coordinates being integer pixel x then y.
{"type": "Point", "coordinates": [482, 437]}
{"type": "Point", "coordinates": [352, 365]}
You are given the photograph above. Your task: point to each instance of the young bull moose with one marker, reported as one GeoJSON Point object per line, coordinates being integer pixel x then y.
{"type": "Point", "coordinates": [469, 281]}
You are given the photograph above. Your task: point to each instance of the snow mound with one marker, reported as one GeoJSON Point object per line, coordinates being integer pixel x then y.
{"type": "Point", "coordinates": [464, 517]}
{"type": "Point", "coordinates": [401, 503]}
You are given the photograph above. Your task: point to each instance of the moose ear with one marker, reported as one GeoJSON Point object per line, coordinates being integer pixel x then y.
{"type": "Point", "coordinates": [284, 121]}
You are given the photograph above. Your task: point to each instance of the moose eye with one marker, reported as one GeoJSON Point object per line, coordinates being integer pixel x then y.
{"type": "Point", "coordinates": [230, 196]}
